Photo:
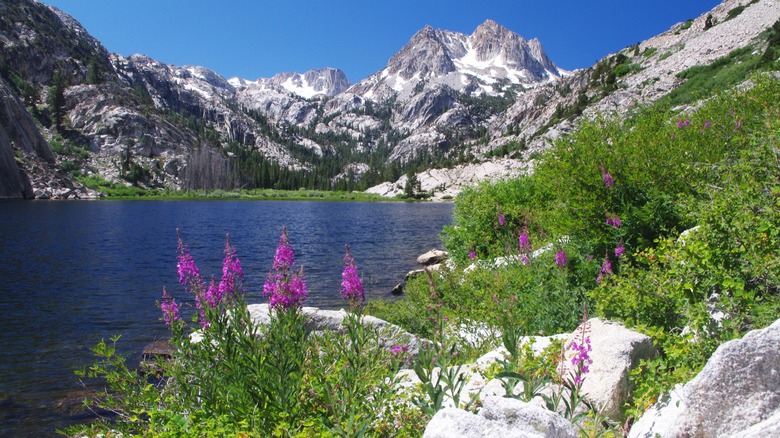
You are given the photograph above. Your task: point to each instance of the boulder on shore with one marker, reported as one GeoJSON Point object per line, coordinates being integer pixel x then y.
{"type": "Point", "coordinates": [432, 257]}
{"type": "Point", "coordinates": [318, 320]}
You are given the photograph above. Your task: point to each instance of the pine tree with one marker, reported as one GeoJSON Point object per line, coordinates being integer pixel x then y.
{"type": "Point", "coordinates": [56, 100]}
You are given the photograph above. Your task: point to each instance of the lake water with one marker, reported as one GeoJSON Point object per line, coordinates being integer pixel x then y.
{"type": "Point", "coordinates": [72, 273]}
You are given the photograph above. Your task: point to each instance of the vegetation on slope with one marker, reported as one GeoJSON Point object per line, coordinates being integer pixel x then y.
{"type": "Point", "coordinates": [614, 198]}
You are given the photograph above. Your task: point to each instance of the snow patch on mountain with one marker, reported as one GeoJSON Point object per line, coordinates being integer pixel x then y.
{"type": "Point", "coordinates": [316, 82]}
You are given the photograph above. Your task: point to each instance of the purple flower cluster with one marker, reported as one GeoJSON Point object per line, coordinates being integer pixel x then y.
{"type": "Point", "coordinates": [284, 259]}
{"type": "Point", "coordinates": [501, 219]}
{"type": "Point", "coordinates": [189, 277]}
{"type": "Point", "coordinates": [560, 258]}
{"type": "Point", "coordinates": [351, 285]}
{"type": "Point", "coordinates": [398, 349]}
{"type": "Point", "coordinates": [232, 274]}
{"type": "Point", "coordinates": [215, 294]}
{"type": "Point", "coordinates": [581, 359]}
{"type": "Point", "coordinates": [606, 270]}
{"type": "Point", "coordinates": [472, 254]}
{"type": "Point", "coordinates": [620, 249]}
{"type": "Point", "coordinates": [189, 274]}
{"type": "Point", "coordinates": [614, 220]}
{"type": "Point", "coordinates": [608, 181]}
{"type": "Point", "coordinates": [683, 123]}
{"type": "Point", "coordinates": [525, 243]}
{"type": "Point", "coordinates": [284, 288]}
{"type": "Point", "coordinates": [169, 308]}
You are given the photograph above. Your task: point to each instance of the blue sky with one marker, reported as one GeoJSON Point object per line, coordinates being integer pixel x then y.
{"type": "Point", "coordinates": [259, 38]}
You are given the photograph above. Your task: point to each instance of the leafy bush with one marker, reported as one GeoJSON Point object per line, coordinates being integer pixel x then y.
{"type": "Point", "coordinates": [650, 51]}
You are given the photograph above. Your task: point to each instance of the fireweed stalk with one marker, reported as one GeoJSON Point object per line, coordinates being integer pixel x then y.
{"type": "Point", "coordinates": [570, 383]}
{"type": "Point", "coordinates": [284, 288]}
{"type": "Point", "coordinates": [190, 279]}
{"type": "Point", "coordinates": [169, 309]}
{"type": "Point", "coordinates": [354, 378]}
{"type": "Point", "coordinates": [351, 285]}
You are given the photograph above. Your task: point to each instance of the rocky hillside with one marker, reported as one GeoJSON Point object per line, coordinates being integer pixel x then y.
{"type": "Point", "coordinates": [75, 114]}
{"type": "Point", "coordinates": [637, 75]}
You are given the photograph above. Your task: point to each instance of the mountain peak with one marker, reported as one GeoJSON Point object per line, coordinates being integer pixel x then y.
{"type": "Point", "coordinates": [491, 53]}
{"type": "Point", "coordinates": [490, 26]}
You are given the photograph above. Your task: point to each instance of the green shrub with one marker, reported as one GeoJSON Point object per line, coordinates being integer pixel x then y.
{"type": "Point", "coordinates": [734, 12]}
{"type": "Point", "coordinates": [728, 266]}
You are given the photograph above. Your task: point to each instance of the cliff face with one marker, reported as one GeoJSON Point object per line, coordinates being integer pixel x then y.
{"type": "Point", "coordinates": [20, 140]}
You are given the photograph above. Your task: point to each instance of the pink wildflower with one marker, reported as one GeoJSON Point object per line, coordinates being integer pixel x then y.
{"type": "Point", "coordinates": [614, 220]}
{"type": "Point", "coordinates": [351, 285]}
{"type": "Point", "coordinates": [189, 274]}
{"type": "Point", "coordinates": [606, 270]}
{"type": "Point", "coordinates": [472, 254]}
{"type": "Point", "coordinates": [397, 349]}
{"type": "Point", "coordinates": [525, 243]}
{"type": "Point", "coordinates": [232, 274]}
{"type": "Point", "coordinates": [169, 308]}
{"type": "Point", "coordinates": [608, 181]}
{"type": "Point", "coordinates": [581, 359]}
{"type": "Point", "coordinates": [283, 288]}
{"type": "Point", "coordinates": [620, 249]}
{"type": "Point", "coordinates": [285, 257]}
{"type": "Point", "coordinates": [560, 258]}
{"type": "Point", "coordinates": [525, 260]}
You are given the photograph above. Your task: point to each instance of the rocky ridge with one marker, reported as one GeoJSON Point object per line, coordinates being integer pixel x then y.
{"type": "Point", "coordinates": [656, 62]}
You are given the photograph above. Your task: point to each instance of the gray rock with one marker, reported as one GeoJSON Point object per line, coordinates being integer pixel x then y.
{"type": "Point", "coordinates": [499, 417]}
{"type": "Point", "coordinates": [18, 132]}
{"type": "Point", "coordinates": [318, 320]}
{"type": "Point", "coordinates": [398, 289]}
{"type": "Point", "coordinates": [616, 351]}
{"type": "Point", "coordinates": [432, 257]}
{"type": "Point", "coordinates": [447, 183]}
{"type": "Point", "coordinates": [736, 394]}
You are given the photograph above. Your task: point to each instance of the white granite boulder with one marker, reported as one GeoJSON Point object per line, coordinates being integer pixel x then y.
{"type": "Point", "coordinates": [432, 257]}
{"type": "Point", "coordinates": [615, 351]}
{"type": "Point", "coordinates": [318, 320]}
{"type": "Point", "coordinates": [736, 394]}
{"type": "Point", "coordinates": [500, 417]}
